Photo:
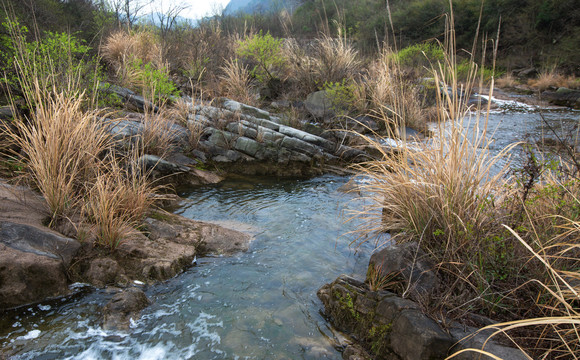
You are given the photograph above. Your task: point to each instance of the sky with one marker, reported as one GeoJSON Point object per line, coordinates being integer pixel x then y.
{"type": "Point", "coordinates": [196, 9]}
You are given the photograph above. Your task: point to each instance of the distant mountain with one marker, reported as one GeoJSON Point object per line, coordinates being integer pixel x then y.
{"type": "Point", "coordinates": [259, 6]}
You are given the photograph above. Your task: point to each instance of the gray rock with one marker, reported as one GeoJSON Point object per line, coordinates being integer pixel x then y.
{"type": "Point", "coordinates": [412, 263]}
{"type": "Point", "coordinates": [6, 113]}
{"type": "Point", "coordinates": [563, 97]}
{"type": "Point", "coordinates": [124, 129]}
{"type": "Point", "coordinates": [414, 336]}
{"type": "Point", "coordinates": [161, 167]}
{"type": "Point", "coordinates": [33, 263]}
{"type": "Point", "coordinates": [466, 337]}
{"type": "Point", "coordinates": [247, 146]}
{"type": "Point", "coordinates": [124, 307]}
{"type": "Point", "coordinates": [388, 326]}
{"type": "Point", "coordinates": [235, 106]}
{"type": "Point", "coordinates": [129, 97]}
{"type": "Point", "coordinates": [526, 73]}
{"type": "Point", "coordinates": [300, 146]}
{"type": "Point", "coordinates": [105, 271]}
{"type": "Point", "coordinates": [319, 104]}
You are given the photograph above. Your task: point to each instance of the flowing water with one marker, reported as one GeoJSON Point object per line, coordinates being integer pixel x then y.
{"type": "Point", "coordinates": [257, 305]}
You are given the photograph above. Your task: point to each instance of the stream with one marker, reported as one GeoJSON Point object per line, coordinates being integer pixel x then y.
{"type": "Point", "coordinates": [260, 304]}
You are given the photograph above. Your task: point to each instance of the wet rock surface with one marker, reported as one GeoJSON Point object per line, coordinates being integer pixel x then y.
{"type": "Point", "coordinates": [123, 308]}
{"type": "Point", "coordinates": [33, 263]}
{"type": "Point", "coordinates": [167, 247]}
{"type": "Point", "coordinates": [388, 326]}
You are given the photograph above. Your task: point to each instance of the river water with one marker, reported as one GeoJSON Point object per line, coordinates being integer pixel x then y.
{"type": "Point", "coordinates": [257, 305]}
{"type": "Point", "coordinates": [260, 304]}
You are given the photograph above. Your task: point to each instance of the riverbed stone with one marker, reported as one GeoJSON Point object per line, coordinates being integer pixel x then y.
{"type": "Point", "coordinates": [33, 263]}
{"type": "Point", "coordinates": [105, 271]}
{"type": "Point", "coordinates": [124, 307]}
{"type": "Point", "coordinates": [319, 104]}
{"type": "Point", "coordinates": [414, 266]}
{"type": "Point", "coordinates": [563, 97]}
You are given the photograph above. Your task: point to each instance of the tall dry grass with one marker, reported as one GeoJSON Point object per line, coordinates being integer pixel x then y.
{"type": "Point", "coordinates": [237, 83]}
{"type": "Point", "coordinates": [67, 154]}
{"type": "Point", "coordinates": [441, 193]}
{"type": "Point", "coordinates": [117, 200]}
{"type": "Point", "coordinates": [324, 60]}
{"type": "Point", "coordinates": [61, 144]}
{"type": "Point", "coordinates": [121, 46]}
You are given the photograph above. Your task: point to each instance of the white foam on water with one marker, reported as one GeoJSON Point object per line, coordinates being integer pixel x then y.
{"type": "Point", "coordinates": [44, 307]}
{"type": "Point", "coordinates": [509, 104]}
{"type": "Point", "coordinates": [33, 334]}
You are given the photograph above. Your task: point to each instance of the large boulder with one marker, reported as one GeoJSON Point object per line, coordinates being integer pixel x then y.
{"type": "Point", "coordinates": [33, 264]}
{"type": "Point", "coordinates": [169, 247]}
{"type": "Point", "coordinates": [388, 326]}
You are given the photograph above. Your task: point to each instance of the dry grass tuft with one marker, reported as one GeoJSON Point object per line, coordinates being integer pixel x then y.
{"type": "Point", "coordinates": [546, 80]}
{"type": "Point", "coordinates": [506, 81]}
{"type": "Point", "coordinates": [391, 97]}
{"type": "Point", "coordinates": [117, 201]}
{"type": "Point", "coordinates": [121, 46]}
{"type": "Point", "coordinates": [237, 84]}
{"type": "Point", "coordinates": [61, 144]}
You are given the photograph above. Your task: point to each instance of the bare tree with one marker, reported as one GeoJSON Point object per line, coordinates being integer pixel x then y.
{"type": "Point", "coordinates": [128, 11]}
{"type": "Point", "coordinates": [167, 18]}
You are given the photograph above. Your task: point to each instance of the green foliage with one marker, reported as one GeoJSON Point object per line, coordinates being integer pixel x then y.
{"type": "Point", "coordinates": [265, 51]}
{"type": "Point", "coordinates": [152, 81]}
{"type": "Point", "coordinates": [341, 94]}
{"type": "Point", "coordinates": [420, 56]}
{"type": "Point", "coordinates": [58, 61]}
{"type": "Point", "coordinates": [464, 69]}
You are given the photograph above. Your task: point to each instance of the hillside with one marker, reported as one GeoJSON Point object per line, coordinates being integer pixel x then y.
{"type": "Point", "coordinates": [258, 6]}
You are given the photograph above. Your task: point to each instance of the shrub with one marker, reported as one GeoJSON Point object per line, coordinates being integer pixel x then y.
{"type": "Point", "coordinates": [341, 95]}
{"type": "Point", "coordinates": [266, 52]}
{"type": "Point", "coordinates": [137, 59]}
{"type": "Point", "coordinates": [58, 61]}
{"type": "Point", "coordinates": [421, 56]}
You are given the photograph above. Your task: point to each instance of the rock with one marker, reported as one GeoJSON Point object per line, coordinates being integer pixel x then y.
{"type": "Point", "coordinates": [412, 263]}
{"type": "Point", "coordinates": [206, 237]}
{"type": "Point", "coordinates": [33, 264]}
{"type": "Point", "coordinates": [124, 307]}
{"type": "Point", "coordinates": [105, 271]}
{"type": "Point", "coordinates": [354, 352]}
{"type": "Point", "coordinates": [526, 73]}
{"type": "Point", "coordinates": [362, 125]}
{"type": "Point", "coordinates": [319, 104]}
{"type": "Point", "coordinates": [415, 336]}
{"type": "Point", "coordinates": [387, 326]}
{"type": "Point", "coordinates": [563, 97]}
{"type": "Point", "coordinates": [6, 113]}
{"type": "Point", "coordinates": [129, 97]}
{"type": "Point", "coordinates": [159, 167]}
{"type": "Point", "coordinates": [467, 337]}
{"type": "Point", "coordinates": [168, 172]}
{"type": "Point", "coordinates": [235, 106]}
